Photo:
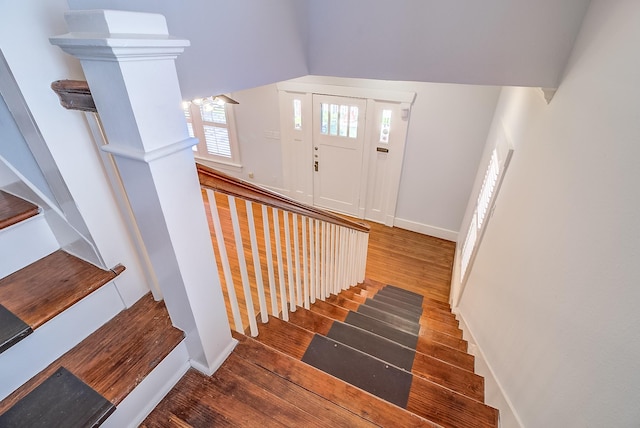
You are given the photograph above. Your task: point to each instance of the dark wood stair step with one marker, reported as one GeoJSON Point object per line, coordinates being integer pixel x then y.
{"type": "Point", "coordinates": [14, 209]}
{"type": "Point", "coordinates": [359, 369]}
{"type": "Point", "coordinates": [410, 314]}
{"type": "Point", "coordinates": [12, 329]}
{"type": "Point", "coordinates": [435, 403]}
{"type": "Point", "coordinates": [46, 288]}
{"type": "Point", "coordinates": [407, 300]}
{"type": "Point", "coordinates": [61, 400]}
{"type": "Point", "coordinates": [401, 323]}
{"type": "Point", "coordinates": [118, 356]}
{"type": "Point", "coordinates": [397, 303]}
{"type": "Point", "coordinates": [438, 345]}
{"type": "Point", "coordinates": [375, 286]}
{"type": "Point", "coordinates": [434, 314]}
{"type": "Point", "coordinates": [348, 397]}
{"type": "Point", "coordinates": [448, 375]}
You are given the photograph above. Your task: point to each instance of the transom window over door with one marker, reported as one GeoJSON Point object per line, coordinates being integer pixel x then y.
{"type": "Point", "coordinates": [213, 125]}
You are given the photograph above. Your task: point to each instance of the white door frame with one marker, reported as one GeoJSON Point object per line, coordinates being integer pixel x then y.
{"type": "Point", "coordinates": [297, 151]}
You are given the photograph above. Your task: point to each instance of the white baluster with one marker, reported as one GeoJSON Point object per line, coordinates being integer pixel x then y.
{"type": "Point", "coordinates": [304, 263]}
{"type": "Point", "coordinates": [296, 249]}
{"type": "Point", "coordinates": [363, 260]}
{"type": "Point", "coordinates": [332, 263]}
{"type": "Point", "coordinates": [312, 262]}
{"type": "Point", "coordinates": [324, 287]}
{"type": "Point", "coordinates": [243, 267]}
{"type": "Point", "coordinates": [262, 301]}
{"type": "Point", "coordinates": [269, 256]}
{"type": "Point", "coordinates": [287, 239]}
{"type": "Point", "coordinates": [318, 259]}
{"type": "Point", "coordinates": [222, 250]}
{"type": "Point", "coordinates": [283, 290]}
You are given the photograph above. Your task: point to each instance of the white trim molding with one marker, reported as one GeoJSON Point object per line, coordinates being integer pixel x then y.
{"type": "Point", "coordinates": [495, 395]}
{"type": "Point", "coordinates": [425, 229]}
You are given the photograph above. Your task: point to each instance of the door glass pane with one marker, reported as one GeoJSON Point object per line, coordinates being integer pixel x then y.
{"type": "Point", "coordinates": [385, 126]}
{"type": "Point", "coordinates": [324, 118]}
{"type": "Point", "coordinates": [333, 120]}
{"type": "Point", "coordinates": [353, 122]}
{"type": "Point", "coordinates": [344, 121]}
{"type": "Point", "coordinates": [297, 114]}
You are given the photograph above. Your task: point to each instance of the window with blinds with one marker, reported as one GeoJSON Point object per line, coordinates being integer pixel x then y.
{"type": "Point", "coordinates": [498, 163]}
{"type": "Point", "coordinates": [211, 124]}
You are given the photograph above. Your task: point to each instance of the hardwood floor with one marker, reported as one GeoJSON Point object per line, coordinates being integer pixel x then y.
{"type": "Point", "coordinates": [259, 385]}
{"type": "Point", "coordinates": [409, 260]}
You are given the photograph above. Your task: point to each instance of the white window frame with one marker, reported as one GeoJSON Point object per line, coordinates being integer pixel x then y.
{"type": "Point", "coordinates": [200, 150]}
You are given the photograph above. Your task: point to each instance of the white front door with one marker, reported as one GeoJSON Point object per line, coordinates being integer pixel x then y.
{"type": "Point", "coordinates": [338, 141]}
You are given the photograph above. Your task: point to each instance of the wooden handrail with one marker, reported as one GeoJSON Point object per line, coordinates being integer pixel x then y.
{"type": "Point", "coordinates": [74, 95]}
{"type": "Point", "coordinates": [223, 183]}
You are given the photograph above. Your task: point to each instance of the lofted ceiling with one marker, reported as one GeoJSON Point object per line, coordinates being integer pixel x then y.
{"type": "Point", "coordinates": [242, 44]}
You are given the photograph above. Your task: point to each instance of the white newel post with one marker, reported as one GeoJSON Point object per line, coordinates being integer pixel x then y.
{"type": "Point", "coordinates": [128, 60]}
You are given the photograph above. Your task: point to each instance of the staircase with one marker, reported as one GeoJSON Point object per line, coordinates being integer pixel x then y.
{"type": "Point", "coordinates": [333, 365]}
{"type": "Point", "coordinates": [372, 355]}
{"type": "Point", "coordinates": [71, 354]}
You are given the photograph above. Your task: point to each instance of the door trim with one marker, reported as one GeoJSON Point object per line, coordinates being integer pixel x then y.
{"type": "Point", "coordinates": [299, 184]}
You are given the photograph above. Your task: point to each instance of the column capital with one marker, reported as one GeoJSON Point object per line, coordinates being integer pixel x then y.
{"type": "Point", "coordinates": [113, 35]}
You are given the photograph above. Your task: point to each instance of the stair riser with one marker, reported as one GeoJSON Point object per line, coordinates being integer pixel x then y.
{"type": "Point", "coordinates": [31, 355]}
{"type": "Point", "coordinates": [142, 400]}
{"type": "Point", "coordinates": [24, 243]}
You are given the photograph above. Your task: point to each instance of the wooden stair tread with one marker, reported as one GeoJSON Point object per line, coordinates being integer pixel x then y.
{"type": "Point", "coordinates": [433, 402]}
{"type": "Point", "coordinates": [14, 210]}
{"type": "Point", "coordinates": [47, 287]}
{"type": "Point", "coordinates": [346, 396]}
{"type": "Point", "coordinates": [426, 321]}
{"type": "Point", "coordinates": [118, 356]}
{"type": "Point", "coordinates": [448, 375]}
{"type": "Point", "coordinates": [442, 346]}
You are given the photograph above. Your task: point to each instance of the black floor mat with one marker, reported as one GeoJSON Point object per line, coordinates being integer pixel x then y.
{"type": "Point", "coordinates": [409, 314]}
{"type": "Point", "coordinates": [381, 328]}
{"type": "Point", "coordinates": [403, 292]}
{"type": "Point", "coordinates": [402, 297]}
{"type": "Point", "coordinates": [359, 369]}
{"type": "Point", "coordinates": [62, 400]}
{"type": "Point", "coordinates": [395, 320]}
{"type": "Point", "coordinates": [372, 344]}
{"type": "Point", "coordinates": [12, 329]}
{"type": "Point", "coordinates": [398, 301]}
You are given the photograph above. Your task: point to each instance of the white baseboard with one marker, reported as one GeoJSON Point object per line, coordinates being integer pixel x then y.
{"type": "Point", "coordinates": [215, 365]}
{"type": "Point", "coordinates": [425, 229]}
{"type": "Point", "coordinates": [494, 393]}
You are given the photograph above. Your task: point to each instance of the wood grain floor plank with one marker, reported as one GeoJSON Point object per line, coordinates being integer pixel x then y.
{"type": "Point", "coordinates": [115, 358]}
{"type": "Point", "coordinates": [347, 396]}
{"type": "Point", "coordinates": [14, 210]}
{"type": "Point", "coordinates": [42, 290]}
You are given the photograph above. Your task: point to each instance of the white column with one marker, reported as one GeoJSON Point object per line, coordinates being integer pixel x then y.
{"type": "Point", "coordinates": [128, 60]}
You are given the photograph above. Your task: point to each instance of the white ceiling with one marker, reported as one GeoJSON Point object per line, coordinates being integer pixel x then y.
{"type": "Point", "coordinates": [242, 44]}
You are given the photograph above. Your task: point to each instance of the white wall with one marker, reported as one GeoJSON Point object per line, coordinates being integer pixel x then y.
{"type": "Point", "coordinates": [259, 42]}
{"type": "Point", "coordinates": [447, 132]}
{"type": "Point", "coordinates": [490, 42]}
{"type": "Point", "coordinates": [258, 126]}
{"type": "Point", "coordinates": [25, 28]}
{"type": "Point", "coordinates": [552, 298]}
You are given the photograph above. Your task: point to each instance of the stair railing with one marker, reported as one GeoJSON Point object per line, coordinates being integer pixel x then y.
{"type": "Point", "coordinates": [315, 253]}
